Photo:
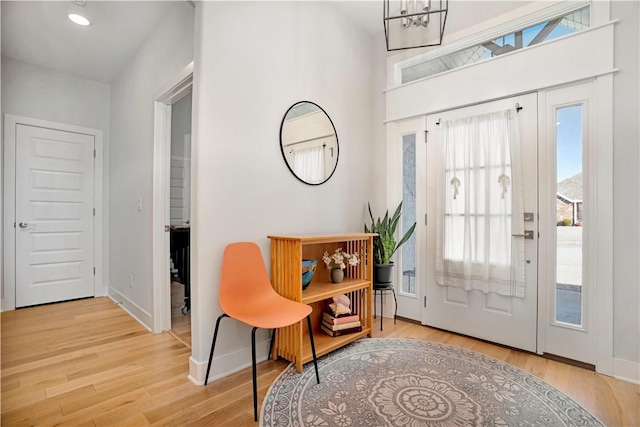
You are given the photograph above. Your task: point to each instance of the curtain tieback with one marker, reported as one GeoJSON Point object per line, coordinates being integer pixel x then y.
{"type": "Point", "coordinates": [504, 181]}
{"type": "Point", "coordinates": [455, 182]}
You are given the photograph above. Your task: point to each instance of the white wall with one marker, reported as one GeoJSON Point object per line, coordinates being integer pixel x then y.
{"type": "Point", "coordinates": [253, 61]}
{"type": "Point", "coordinates": [626, 176]}
{"type": "Point", "coordinates": [28, 90]}
{"type": "Point", "coordinates": [180, 125]}
{"type": "Point", "coordinates": [31, 91]}
{"type": "Point", "coordinates": [167, 51]}
{"type": "Point", "coordinates": [378, 176]}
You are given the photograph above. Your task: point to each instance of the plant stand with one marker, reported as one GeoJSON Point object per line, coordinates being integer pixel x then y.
{"type": "Point", "coordinates": [382, 288]}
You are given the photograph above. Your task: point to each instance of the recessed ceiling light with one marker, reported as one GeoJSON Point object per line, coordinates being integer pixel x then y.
{"type": "Point", "coordinates": [79, 19]}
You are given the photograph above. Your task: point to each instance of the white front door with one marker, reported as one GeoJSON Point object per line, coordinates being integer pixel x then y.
{"type": "Point", "coordinates": [54, 215]}
{"type": "Point", "coordinates": [478, 207]}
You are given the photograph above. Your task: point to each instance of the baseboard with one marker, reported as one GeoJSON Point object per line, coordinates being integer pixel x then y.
{"type": "Point", "coordinates": [226, 364]}
{"type": "Point", "coordinates": [132, 308]}
{"type": "Point", "coordinates": [626, 370]}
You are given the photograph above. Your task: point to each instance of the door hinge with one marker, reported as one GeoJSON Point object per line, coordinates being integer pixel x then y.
{"type": "Point", "coordinates": [425, 136]}
{"type": "Point", "coordinates": [94, 271]}
{"type": "Point", "coordinates": [94, 153]}
{"type": "Point", "coordinates": [425, 301]}
{"type": "Point", "coordinates": [425, 219]}
{"type": "Point", "coordinates": [94, 211]}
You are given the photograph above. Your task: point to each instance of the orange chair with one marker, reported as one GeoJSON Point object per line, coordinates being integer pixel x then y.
{"type": "Point", "coordinates": [246, 295]}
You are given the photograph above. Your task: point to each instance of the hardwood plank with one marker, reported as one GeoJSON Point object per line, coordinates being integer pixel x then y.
{"type": "Point", "coordinates": [44, 372]}
{"type": "Point", "coordinates": [120, 374]}
{"type": "Point", "coordinates": [116, 372]}
{"type": "Point", "coordinates": [37, 412]}
{"type": "Point", "coordinates": [92, 412]}
{"type": "Point", "coordinates": [180, 323]}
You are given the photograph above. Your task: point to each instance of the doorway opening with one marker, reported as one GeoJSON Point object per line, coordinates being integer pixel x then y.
{"type": "Point", "coordinates": [180, 219]}
{"type": "Point", "coordinates": [172, 209]}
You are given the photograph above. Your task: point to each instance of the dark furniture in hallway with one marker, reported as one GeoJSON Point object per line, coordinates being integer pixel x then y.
{"type": "Point", "coordinates": [180, 254]}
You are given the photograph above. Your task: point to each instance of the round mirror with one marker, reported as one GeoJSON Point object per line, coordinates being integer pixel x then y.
{"type": "Point", "coordinates": [309, 143]}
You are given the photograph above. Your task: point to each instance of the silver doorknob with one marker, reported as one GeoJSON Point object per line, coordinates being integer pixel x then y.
{"type": "Point", "coordinates": [528, 234]}
{"type": "Point", "coordinates": [23, 225]}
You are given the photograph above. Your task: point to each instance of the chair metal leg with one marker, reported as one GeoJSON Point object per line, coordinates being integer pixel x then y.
{"type": "Point", "coordinates": [273, 337]}
{"type": "Point", "coordinates": [255, 378]}
{"type": "Point", "coordinates": [213, 345]}
{"type": "Point", "coordinates": [313, 348]}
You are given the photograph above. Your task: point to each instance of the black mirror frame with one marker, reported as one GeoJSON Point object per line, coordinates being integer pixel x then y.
{"type": "Point", "coordinates": [334, 132]}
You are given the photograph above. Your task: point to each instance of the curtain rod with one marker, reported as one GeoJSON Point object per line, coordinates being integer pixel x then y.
{"type": "Point", "coordinates": [518, 108]}
{"type": "Point", "coordinates": [310, 139]}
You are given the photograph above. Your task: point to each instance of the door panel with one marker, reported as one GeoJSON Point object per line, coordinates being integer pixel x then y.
{"type": "Point", "coordinates": [180, 185]}
{"type": "Point", "coordinates": [503, 319]}
{"type": "Point", "coordinates": [54, 215]}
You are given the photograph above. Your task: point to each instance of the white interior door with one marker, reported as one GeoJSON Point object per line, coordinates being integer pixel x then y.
{"type": "Point", "coordinates": [567, 221]}
{"type": "Point", "coordinates": [54, 215]}
{"type": "Point", "coordinates": [481, 202]}
{"type": "Point", "coordinates": [180, 185]}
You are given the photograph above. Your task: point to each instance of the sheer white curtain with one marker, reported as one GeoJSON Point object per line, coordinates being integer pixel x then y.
{"type": "Point", "coordinates": [480, 205]}
{"type": "Point", "coordinates": [308, 164]}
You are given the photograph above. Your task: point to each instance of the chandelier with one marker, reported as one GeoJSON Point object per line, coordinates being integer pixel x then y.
{"type": "Point", "coordinates": [410, 24]}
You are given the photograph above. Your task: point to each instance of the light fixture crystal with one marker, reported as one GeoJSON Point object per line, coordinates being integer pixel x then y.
{"type": "Point", "coordinates": [410, 24]}
{"type": "Point", "coordinates": [79, 19]}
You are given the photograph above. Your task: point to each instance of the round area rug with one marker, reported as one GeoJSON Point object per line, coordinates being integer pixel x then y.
{"type": "Point", "coordinates": [403, 382]}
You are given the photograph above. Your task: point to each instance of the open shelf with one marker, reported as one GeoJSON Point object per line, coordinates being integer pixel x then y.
{"type": "Point", "coordinates": [325, 290]}
{"type": "Point", "coordinates": [287, 253]}
{"type": "Point", "coordinates": [326, 344]}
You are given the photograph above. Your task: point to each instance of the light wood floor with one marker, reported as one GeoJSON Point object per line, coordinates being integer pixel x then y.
{"type": "Point", "coordinates": [180, 323]}
{"type": "Point", "coordinates": [87, 363]}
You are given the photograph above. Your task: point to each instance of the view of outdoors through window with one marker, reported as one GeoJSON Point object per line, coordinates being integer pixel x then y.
{"type": "Point", "coordinates": [554, 28]}
{"type": "Point", "coordinates": [408, 213]}
{"type": "Point", "coordinates": [569, 215]}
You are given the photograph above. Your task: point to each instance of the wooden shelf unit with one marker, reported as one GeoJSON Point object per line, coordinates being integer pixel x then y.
{"type": "Point", "coordinates": [287, 253]}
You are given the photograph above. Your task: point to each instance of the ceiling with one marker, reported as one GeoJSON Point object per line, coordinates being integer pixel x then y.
{"type": "Point", "coordinates": [39, 33]}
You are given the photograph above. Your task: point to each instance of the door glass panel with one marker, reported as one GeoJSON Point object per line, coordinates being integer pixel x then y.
{"type": "Point", "coordinates": [408, 213]}
{"type": "Point", "coordinates": [569, 209]}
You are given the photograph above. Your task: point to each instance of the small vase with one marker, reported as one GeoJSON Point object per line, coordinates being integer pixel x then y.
{"type": "Point", "coordinates": [337, 274]}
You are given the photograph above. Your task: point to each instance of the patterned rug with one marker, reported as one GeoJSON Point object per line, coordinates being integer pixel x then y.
{"type": "Point", "coordinates": [403, 382]}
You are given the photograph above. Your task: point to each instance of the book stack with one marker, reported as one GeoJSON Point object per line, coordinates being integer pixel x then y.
{"type": "Point", "coordinates": [341, 324]}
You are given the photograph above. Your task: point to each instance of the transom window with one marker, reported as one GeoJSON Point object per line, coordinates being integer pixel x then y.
{"type": "Point", "coordinates": [548, 30]}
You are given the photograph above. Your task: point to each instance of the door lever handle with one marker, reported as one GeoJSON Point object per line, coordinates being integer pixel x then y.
{"type": "Point", "coordinates": [528, 234]}
{"type": "Point", "coordinates": [23, 225]}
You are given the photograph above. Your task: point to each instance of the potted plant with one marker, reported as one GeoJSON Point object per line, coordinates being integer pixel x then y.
{"type": "Point", "coordinates": [384, 244]}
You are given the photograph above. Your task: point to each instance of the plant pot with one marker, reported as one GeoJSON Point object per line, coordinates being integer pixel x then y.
{"type": "Point", "coordinates": [337, 274]}
{"type": "Point", "coordinates": [383, 273]}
